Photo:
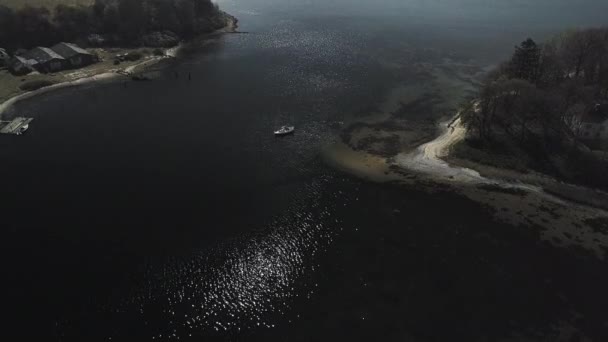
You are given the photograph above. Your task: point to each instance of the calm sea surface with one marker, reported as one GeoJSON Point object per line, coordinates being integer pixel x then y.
{"type": "Point", "coordinates": [167, 209]}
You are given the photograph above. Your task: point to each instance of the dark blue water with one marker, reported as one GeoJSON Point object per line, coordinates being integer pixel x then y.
{"type": "Point", "coordinates": [167, 209]}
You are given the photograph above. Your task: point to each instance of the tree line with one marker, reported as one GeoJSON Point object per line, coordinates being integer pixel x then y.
{"type": "Point", "coordinates": [539, 93]}
{"type": "Point", "coordinates": [122, 21]}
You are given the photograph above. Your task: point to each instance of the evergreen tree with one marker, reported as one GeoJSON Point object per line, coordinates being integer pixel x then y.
{"type": "Point", "coordinates": [525, 62]}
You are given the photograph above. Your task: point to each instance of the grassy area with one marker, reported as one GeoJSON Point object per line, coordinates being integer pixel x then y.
{"type": "Point", "coordinates": [45, 3]}
{"type": "Point", "coordinates": [497, 155]}
{"type": "Point", "coordinates": [576, 166]}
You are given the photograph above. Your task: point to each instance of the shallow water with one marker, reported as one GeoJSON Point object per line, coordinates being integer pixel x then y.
{"type": "Point", "coordinates": [168, 210]}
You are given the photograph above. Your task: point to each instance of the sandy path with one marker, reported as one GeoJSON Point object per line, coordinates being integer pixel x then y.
{"type": "Point", "coordinates": [427, 159]}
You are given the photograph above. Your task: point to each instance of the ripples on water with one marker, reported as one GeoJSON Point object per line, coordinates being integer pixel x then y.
{"type": "Point", "coordinates": [321, 71]}
{"type": "Point", "coordinates": [239, 285]}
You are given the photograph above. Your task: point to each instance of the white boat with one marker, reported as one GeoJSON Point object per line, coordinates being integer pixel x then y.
{"type": "Point", "coordinates": [285, 130]}
{"type": "Point", "coordinates": [22, 129]}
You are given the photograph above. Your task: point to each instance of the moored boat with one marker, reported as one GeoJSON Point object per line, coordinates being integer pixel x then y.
{"type": "Point", "coordinates": [22, 129]}
{"type": "Point", "coordinates": [285, 130]}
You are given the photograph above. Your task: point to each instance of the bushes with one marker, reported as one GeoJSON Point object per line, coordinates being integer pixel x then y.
{"type": "Point", "coordinates": [494, 153]}
{"type": "Point", "coordinates": [35, 85]}
{"type": "Point", "coordinates": [583, 167]}
{"type": "Point", "coordinates": [133, 56]}
{"type": "Point", "coordinates": [134, 20]}
{"type": "Point", "coordinates": [544, 89]}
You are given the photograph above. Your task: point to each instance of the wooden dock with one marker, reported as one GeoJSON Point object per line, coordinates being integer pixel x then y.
{"type": "Point", "coordinates": [17, 126]}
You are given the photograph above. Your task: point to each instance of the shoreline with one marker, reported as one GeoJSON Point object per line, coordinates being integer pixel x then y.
{"type": "Point", "coordinates": [109, 75]}
{"type": "Point", "coordinates": [112, 73]}
{"type": "Point", "coordinates": [563, 214]}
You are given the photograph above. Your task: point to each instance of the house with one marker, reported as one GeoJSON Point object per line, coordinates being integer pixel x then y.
{"type": "Point", "coordinates": [47, 59]}
{"type": "Point", "coordinates": [76, 56]}
{"type": "Point", "coordinates": [4, 58]}
{"type": "Point", "coordinates": [592, 125]}
{"type": "Point", "coordinates": [20, 65]}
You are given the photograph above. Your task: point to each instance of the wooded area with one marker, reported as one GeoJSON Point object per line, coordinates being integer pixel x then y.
{"type": "Point", "coordinates": [531, 104]}
{"type": "Point", "coordinates": [119, 21]}
{"type": "Point", "coordinates": [543, 88]}
{"type": "Point", "coordinates": [16, 4]}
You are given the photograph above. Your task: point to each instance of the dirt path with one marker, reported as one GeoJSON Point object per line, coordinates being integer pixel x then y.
{"type": "Point", "coordinates": [427, 159]}
{"type": "Point", "coordinates": [564, 221]}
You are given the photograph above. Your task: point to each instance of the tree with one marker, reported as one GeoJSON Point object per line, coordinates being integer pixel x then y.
{"type": "Point", "coordinates": [551, 69]}
{"type": "Point", "coordinates": [133, 19]}
{"type": "Point", "coordinates": [525, 62]}
{"type": "Point", "coordinates": [162, 16]}
{"type": "Point", "coordinates": [72, 21]}
{"type": "Point", "coordinates": [99, 7]}
{"type": "Point", "coordinates": [33, 26]}
{"type": "Point", "coordinates": [186, 16]}
{"type": "Point", "coordinates": [125, 21]}
{"type": "Point", "coordinates": [7, 27]}
{"type": "Point", "coordinates": [576, 50]}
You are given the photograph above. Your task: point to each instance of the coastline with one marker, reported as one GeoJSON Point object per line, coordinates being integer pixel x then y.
{"type": "Point", "coordinates": [109, 74]}
{"type": "Point", "coordinates": [564, 215]}
{"type": "Point", "coordinates": [433, 159]}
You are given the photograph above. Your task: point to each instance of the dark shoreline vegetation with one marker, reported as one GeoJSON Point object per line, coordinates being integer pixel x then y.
{"type": "Point", "coordinates": [532, 109]}
{"type": "Point", "coordinates": [153, 23]}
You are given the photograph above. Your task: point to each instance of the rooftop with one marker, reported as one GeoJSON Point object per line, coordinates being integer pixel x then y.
{"type": "Point", "coordinates": [26, 61]}
{"type": "Point", "coordinates": [67, 50]}
{"type": "Point", "coordinates": [42, 54]}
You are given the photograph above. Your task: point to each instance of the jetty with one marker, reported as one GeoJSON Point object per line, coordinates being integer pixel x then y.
{"type": "Point", "coordinates": [16, 126]}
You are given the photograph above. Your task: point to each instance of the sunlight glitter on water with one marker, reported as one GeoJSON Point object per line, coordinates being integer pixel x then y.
{"type": "Point", "coordinates": [244, 284]}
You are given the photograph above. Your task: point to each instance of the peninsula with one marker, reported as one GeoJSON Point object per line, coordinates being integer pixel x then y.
{"type": "Point", "coordinates": [530, 143]}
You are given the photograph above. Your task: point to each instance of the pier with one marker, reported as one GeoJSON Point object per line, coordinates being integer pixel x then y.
{"type": "Point", "coordinates": [17, 126]}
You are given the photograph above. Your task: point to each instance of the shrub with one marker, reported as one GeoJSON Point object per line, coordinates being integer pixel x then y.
{"type": "Point", "coordinates": [133, 56]}
{"type": "Point", "coordinates": [35, 84]}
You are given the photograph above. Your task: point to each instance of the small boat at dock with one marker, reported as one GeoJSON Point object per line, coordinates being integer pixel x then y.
{"type": "Point", "coordinates": [17, 126]}
{"type": "Point", "coordinates": [284, 130]}
{"type": "Point", "coordinates": [22, 129]}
